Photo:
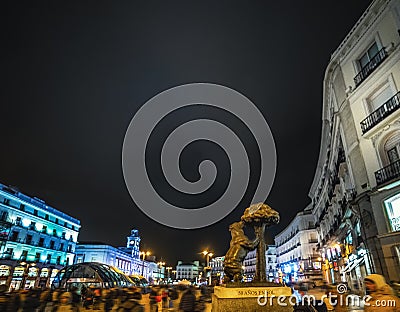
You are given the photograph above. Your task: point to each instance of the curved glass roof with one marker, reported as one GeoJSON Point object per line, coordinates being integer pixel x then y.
{"type": "Point", "coordinates": [91, 273]}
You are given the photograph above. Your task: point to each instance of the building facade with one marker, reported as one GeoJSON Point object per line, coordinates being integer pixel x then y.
{"type": "Point", "coordinates": [271, 268]}
{"type": "Point", "coordinates": [217, 270]}
{"type": "Point", "coordinates": [356, 189]}
{"type": "Point", "coordinates": [188, 271]}
{"type": "Point", "coordinates": [36, 240]}
{"type": "Point", "coordinates": [126, 258]}
{"type": "Point", "coordinates": [296, 249]}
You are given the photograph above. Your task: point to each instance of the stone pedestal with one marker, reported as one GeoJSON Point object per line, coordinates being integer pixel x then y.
{"type": "Point", "coordinates": [251, 299]}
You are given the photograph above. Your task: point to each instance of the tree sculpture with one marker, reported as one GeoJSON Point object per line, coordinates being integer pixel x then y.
{"type": "Point", "coordinates": [259, 216]}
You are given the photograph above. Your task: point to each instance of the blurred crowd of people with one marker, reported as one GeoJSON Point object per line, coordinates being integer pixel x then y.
{"type": "Point", "coordinates": [161, 298]}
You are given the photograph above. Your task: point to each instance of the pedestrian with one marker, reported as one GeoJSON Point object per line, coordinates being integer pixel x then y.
{"type": "Point", "coordinates": [96, 299]}
{"type": "Point", "coordinates": [188, 300]}
{"type": "Point", "coordinates": [155, 298]}
{"type": "Point", "coordinates": [76, 297]}
{"type": "Point", "coordinates": [88, 298]}
{"type": "Point", "coordinates": [45, 299]}
{"type": "Point", "coordinates": [31, 302]}
{"type": "Point", "coordinates": [65, 304]}
{"type": "Point", "coordinates": [173, 296]}
{"type": "Point", "coordinates": [382, 295]}
{"type": "Point", "coordinates": [4, 298]}
{"type": "Point", "coordinates": [132, 304]}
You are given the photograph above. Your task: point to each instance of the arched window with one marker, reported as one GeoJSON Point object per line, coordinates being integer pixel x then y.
{"type": "Point", "coordinates": [391, 148]}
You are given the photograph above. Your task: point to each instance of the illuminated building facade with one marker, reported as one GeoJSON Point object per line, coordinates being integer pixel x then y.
{"type": "Point", "coordinates": [355, 193]}
{"type": "Point", "coordinates": [126, 259]}
{"type": "Point", "coordinates": [36, 240]}
{"type": "Point", "coordinates": [271, 268]}
{"type": "Point", "coordinates": [188, 271]}
{"type": "Point", "coordinates": [217, 269]}
{"type": "Point", "coordinates": [296, 249]}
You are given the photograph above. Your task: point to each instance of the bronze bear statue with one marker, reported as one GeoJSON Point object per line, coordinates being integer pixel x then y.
{"type": "Point", "coordinates": [239, 247]}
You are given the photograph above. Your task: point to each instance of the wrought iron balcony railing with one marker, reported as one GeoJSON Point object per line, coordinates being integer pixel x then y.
{"type": "Point", "coordinates": [381, 113]}
{"type": "Point", "coordinates": [388, 173]}
{"type": "Point", "coordinates": [370, 66]}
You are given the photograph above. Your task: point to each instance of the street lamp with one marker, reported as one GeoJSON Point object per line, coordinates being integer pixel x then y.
{"type": "Point", "coordinates": [144, 254]}
{"type": "Point", "coordinates": [208, 255]}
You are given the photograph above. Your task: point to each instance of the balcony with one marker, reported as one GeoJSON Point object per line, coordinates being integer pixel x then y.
{"type": "Point", "coordinates": [370, 67]}
{"type": "Point", "coordinates": [388, 173]}
{"type": "Point", "coordinates": [381, 113]}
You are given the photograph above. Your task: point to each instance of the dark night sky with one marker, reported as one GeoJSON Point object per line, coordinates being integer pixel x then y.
{"type": "Point", "coordinates": [75, 72]}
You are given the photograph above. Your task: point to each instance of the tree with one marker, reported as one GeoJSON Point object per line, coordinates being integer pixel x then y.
{"type": "Point", "coordinates": [260, 216]}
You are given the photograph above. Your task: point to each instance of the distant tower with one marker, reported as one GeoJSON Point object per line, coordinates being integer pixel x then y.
{"type": "Point", "coordinates": [133, 242]}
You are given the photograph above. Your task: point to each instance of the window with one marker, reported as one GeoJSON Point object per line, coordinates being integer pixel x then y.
{"type": "Point", "coordinates": [380, 97]}
{"type": "Point", "coordinates": [368, 55]}
{"type": "Point", "coordinates": [51, 244]}
{"type": "Point", "coordinates": [392, 148]}
{"type": "Point", "coordinates": [393, 154]}
{"type": "Point", "coordinates": [28, 239]}
{"type": "Point", "coordinates": [14, 236]}
{"type": "Point", "coordinates": [24, 254]}
{"type": "Point", "coordinates": [368, 61]}
{"type": "Point", "coordinates": [41, 242]}
{"type": "Point", "coordinates": [35, 212]}
{"type": "Point", "coordinates": [8, 253]}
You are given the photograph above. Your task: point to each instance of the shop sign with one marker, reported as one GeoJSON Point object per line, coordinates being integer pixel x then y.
{"type": "Point", "coordinates": [4, 270]}
{"type": "Point", "coordinates": [44, 272]}
{"type": "Point", "coordinates": [33, 272]}
{"type": "Point", "coordinates": [393, 212]}
{"type": "Point", "coordinates": [19, 271]}
{"type": "Point", "coordinates": [54, 273]}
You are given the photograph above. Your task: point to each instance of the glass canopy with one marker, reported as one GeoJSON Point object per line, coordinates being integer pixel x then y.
{"type": "Point", "coordinates": [91, 274]}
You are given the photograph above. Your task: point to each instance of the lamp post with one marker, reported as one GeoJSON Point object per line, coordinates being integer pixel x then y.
{"type": "Point", "coordinates": [144, 254]}
{"type": "Point", "coordinates": [208, 255]}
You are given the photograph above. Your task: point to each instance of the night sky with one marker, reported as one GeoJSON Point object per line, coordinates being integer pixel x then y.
{"type": "Point", "coordinates": [74, 73]}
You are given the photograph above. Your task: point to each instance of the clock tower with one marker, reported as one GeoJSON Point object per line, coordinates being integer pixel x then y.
{"type": "Point", "coordinates": [133, 242]}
